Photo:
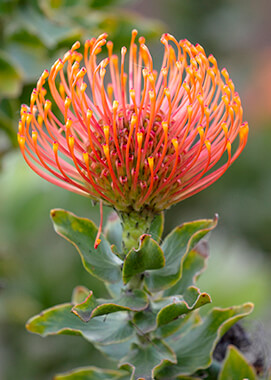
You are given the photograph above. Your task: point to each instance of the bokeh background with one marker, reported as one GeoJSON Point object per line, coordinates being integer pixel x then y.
{"type": "Point", "coordinates": [37, 268]}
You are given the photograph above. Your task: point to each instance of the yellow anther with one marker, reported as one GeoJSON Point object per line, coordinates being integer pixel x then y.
{"type": "Point", "coordinates": [55, 147]}
{"type": "Point", "coordinates": [43, 91]}
{"type": "Point", "coordinates": [139, 137]}
{"type": "Point", "coordinates": [89, 114]}
{"type": "Point", "coordinates": [81, 73]}
{"type": "Point", "coordinates": [62, 91]}
{"type": "Point", "coordinates": [83, 87]}
{"type": "Point", "coordinates": [189, 110]}
{"type": "Point", "coordinates": [133, 120]}
{"type": "Point", "coordinates": [150, 162]}
{"type": "Point", "coordinates": [228, 147]}
{"type": "Point", "coordinates": [23, 109]}
{"type": "Point", "coordinates": [86, 158]}
{"type": "Point", "coordinates": [68, 123]}
{"type": "Point", "coordinates": [23, 117]}
{"type": "Point", "coordinates": [151, 95]}
{"type": "Point", "coordinates": [47, 105]}
{"type": "Point", "coordinates": [165, 127]}
{"type": "Point", "coordinates": [40, 120]}
{"type": "Point", "coordinates": [243, 131]}
{"type": "Point", "coordinates": [29, 118]}
{"type": "Point", "coordinates": [201, 132]}
{"type": "Point", "coordinates": [20, 128]}
{"type": "Point", "coordinates": [225, 74]}
{"type": "Point", "coordinates": [208, 145]}
{"type": "Point", "coordinates": [102, 72]}
{"type": "Point", "coordinates": [132, 93]}
{"type": "Point", "coordinates": [75, 46]}
{"type": "Point", "coordinates": [110, 91]}
{"type": "Point", "coordinates": [106, 132]}
{"type": "Point", "coordinates": [71, 142]}
{"type": "Point", "coordinates": [34, 136]}
{"type": "Point", "coordinates": [225, 128]}
{"type": "Point", "coordinates": [34, 96]}
{"type": "Point", "coordinates": [200, 99]}
{"type": "Point", "coordinates": [21, 141]}
{"type": "Point", "coordinates": [225, 100]}
{"type": "Point", "coordinates": [115, 105]}
{"type": "Point", "coordinates": [175, 144]}
{"type": "Point", "coordinates": [106, 150]}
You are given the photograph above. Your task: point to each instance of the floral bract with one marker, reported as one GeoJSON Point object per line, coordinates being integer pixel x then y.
{"type": "Point", "coordinates": [145, 139]}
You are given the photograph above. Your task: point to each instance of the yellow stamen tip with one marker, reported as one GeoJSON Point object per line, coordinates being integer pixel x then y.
{"type": "Point", "coordinates": [150, 162]}
{"type": "Point", "coordinates": [115, 105]}
{"type": "Point", "coordinates": [68, 123]}
{"type": "Point", "coordinates": [106, 150]}
{"type": "Point", "coordinates": [228, 146]}
{"type": "Point", "coordinates": [40, 120]}
{"type": "Point", "coordinates": [106, 131]}
{"type": "Point", "coordinates": [165, 127]}
{"type": "Point", "coordinates": [97, 243]}
{"type": "Point", "coordinates": [21, 141]}
{"type": "Point", "coordinates": [85, 157]}
{"type": "Point", "coordinates": [175, 144]}
{"type": "Point", "coordinates": [208, 145]}
{"type": "Point", "coordinates": [34, 136]}
{"type": "Point", "coordinates": [47, 105]}
{"type": "Point", "coordinates": [89, 114]}
{"type": "Point", "coordinates": [71, 142]}
{"type": "Point", "coordinates": [139, 137]}
{"type": "Point", "coordinates": [55, 147]}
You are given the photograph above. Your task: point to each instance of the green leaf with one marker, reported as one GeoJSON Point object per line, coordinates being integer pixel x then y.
{"type": "Point", "coordinates": [236, 366]}
{"type": "Point", "coordinates": [81, 232]}
{"type": "Point", "coordinates": [113, 231]}
{"type": "Point", "coordinates": [93, 373]}
{"type": "Point", "coordinates": [148, 256]}
{"type": "Point", "coordinates": [193, 265]}
{"type": "Point", "coordinates": [144, 359]}
{"type": "Point", "coordinates": [177, 307]}
{"type": "Point", "coordinates": [116, 351]}
{"type": "Point", "coordinates": [136, 300]}
{"type": "Point", "coordinates": [157, 227]}
{"type": "Point", "coordinates": [176, 247]}
{"type": "Point", "coordinates": [60, 320]}
{"type": "Point", "coordinates": [194, 349]}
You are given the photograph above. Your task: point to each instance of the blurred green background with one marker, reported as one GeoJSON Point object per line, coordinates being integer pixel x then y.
{"type": "Point", "coordinates": [37, 268]}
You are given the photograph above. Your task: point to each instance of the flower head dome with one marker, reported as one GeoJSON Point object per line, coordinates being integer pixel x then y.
{"type": "Point", "coordinates": [141, 139]}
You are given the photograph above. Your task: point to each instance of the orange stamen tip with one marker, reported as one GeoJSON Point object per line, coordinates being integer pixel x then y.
{"type": "Point", "coordinates": [47, 105]}
{"type": "Point", "coordinates": [200, 131]}
{"type": "Point", "coordinates": [228, 146]}
{"type": "Point", "coordinates": [175, 143]}
{"type": "Point", "coordinates": [115, 105]}
{"type": "Point", "coordinates": [75, 46]}
{"type": "Point", "coordinates": [97, 243]}
{"type": "Point", "coordinates": [68, 123]}
{"type": "Point", "coordinates": [40, 120]}
{"type": "Point", "coordinates": [83, 87]}
{"type": "Point", "coordinates": [133, 120]}
{"type": "Point", "coordinates": [34, 136]}
{"type": "Point", "coordinates": [55, 147]}
{"type": "Point", "coordinates": [123, 50]}
{"type": "Point", "coordinates": [165, 127]}
{"type": "Point", "coordinates": [85, 157]}
{"type": "Point", "coordinates": [208, 145]}
{"type": "Point", "coordinates": [150, 162]}
{"type": "Point", "coordinates": [89, 114]}
{"type": "Point", "coordinates": [21, 141]}
{"type": "Point", "coordinates": [106, 131]}
{"type": "Point", "coordinates": [71, 141]}
{"type": "Point", "coordinates": [106, 150]}
{"type": "Point", "coordinates": [139, 137]}
{"type": "Point", "coordinates": [62, 91]}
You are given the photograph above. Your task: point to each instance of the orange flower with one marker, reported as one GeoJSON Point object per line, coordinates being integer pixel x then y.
{"type": "Point", "coordinates": [142, 140]}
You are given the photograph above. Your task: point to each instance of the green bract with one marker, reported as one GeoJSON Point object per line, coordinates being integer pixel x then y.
{"type": "Point", "coordinates": [151, 326]}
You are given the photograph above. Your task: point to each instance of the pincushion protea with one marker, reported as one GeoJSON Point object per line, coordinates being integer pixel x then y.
{"type": "Point", "coordinates": [138, 141]}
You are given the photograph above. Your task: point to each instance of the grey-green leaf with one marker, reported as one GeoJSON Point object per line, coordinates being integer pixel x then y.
{"type": "Point", "coordinates": [60, 320]}
{"type": "Point", "coordinates": [236, 366]}
{"type": "Point", "coordinates": [194, 349]}
{"type": "Point", "coordinates": [176, 247]}
{"type": "Point", "coordinates": [93, 373]}
{"type": "Point", "coordinates": [81, 232]}
{"type": "Point", "coordinates": [149, 256]}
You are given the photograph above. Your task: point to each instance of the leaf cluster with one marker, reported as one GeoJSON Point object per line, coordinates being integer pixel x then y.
{"type": "Point", "coordinates": [150, 326]}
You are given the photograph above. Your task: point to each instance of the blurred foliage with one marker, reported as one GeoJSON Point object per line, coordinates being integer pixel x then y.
{"type": "Point", "coordinates": [33, 34]}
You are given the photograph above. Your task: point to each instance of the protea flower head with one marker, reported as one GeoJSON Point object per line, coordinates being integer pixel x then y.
{"type": "Point", "coordinates": [141, 140]}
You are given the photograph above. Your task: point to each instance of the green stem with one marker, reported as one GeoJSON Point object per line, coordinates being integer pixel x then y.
{"type": "Point", "coordinates": [134, 224]}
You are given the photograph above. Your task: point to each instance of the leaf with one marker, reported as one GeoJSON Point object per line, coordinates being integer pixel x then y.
{"type": "Point", "coordinates": [81, 232]}
{"type": "Point", "coordinates": [60, 320]}
{"type": "Point", "coordinates": [136, 300]}
{"type": "Point", "coordinates": [194, 349]}
{"type": "Point", "coordinates": [178, 307]}
{"type": "Point", "coordinates": [113, 231]}
{"type": "Point", "coordinates": [148, 256]}
{"type": "Point", "coordinates": [144, 359]}
{"type": "Point", "coordinates": [176, 247]}
{"type": "Point", "coordinates": [157, 227]}
{"type": "Point", "coordinates": [116, 351]}
{"type": "Point", "coordinates": [193, 265]}
{"type": "Point", "coordinates": [93, 373]}
{"type": "Point", "coordinates": [236, 366]}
